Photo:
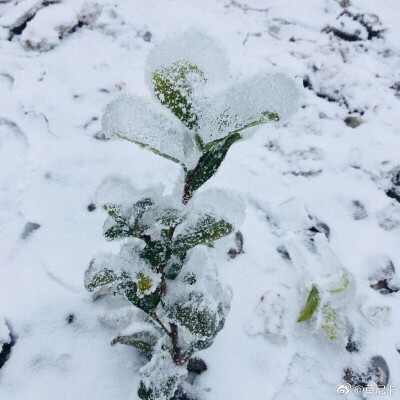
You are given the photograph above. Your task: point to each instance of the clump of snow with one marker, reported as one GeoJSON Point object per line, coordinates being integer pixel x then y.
{"type": "Point", "coordinates": [21, 12]}
{"type": "Point", "coordinates": [220, 203]}
{"type": "Point", "coordinates": [116, 190]}
{"type": "Point", "coordinates": [335, 285]}
{"type": "Point", "coordinates": [268, 317]}
{"type": "Point", "coordinates": [48, 27]}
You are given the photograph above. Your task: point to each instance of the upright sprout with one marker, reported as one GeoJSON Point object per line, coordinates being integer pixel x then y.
{"type": "Point", "coordinates": [164, 266]}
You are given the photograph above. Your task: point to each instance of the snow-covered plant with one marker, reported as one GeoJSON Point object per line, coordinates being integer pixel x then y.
{"type": "Point", "coordinates": [165, 266]}
{"type": "Point", "coordinates": [330, 289]}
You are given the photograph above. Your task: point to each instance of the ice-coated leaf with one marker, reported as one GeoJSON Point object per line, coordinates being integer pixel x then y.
{"type": "Point", "coordinates": [100, 273]}
{"type": "Point", "coordinates": [150, 126]}
{"type": "Point", "coordinates": [154, 253]}
{"type": "Point", "coordinates": [329, 321]}
{"type": "Point", "coordinates": [310, 306]}
{"type": "Point", "coordinates": [174, 265]}
{"type": "Point", "coordinates": [125, 221]}
{"type": "Point", "coordinates": [342, 285]}
{"type": "Point", "coordinates": [190, 312]}
{"type": "Point", "coordinates": [195, 299]}
{"type": "Point", "coordinates": [207, 228]}
{"type": "Point", "coordinates": [197, 345]}
{"type": "Point", "coordinates": [192, 47]}
{"type": "Point", "coordinates": [116, 190]}
{"type": "Point", "coordinates": [143, 341]}
{"type": "Point", "coordinates": [267, 96]}
{"type": "Point", "coordinates": [174, 86]}
{"type": "Point", "coordinates": [160, 377]}
{"type": "Point", "coordinates": [221, 203]}
{"type": "Point", "coordinates": [163, 218]}
{"type": "Point", "coordinates": [128, 274]}
{"type": "Point", "coordinates": [208, 164]}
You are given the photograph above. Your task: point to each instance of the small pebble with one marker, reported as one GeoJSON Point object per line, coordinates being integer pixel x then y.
{"type": "Point", "coordinates": [29, 228]}
{"type": "Point", "coordinates": [70, 318]}
{"type": "Point", "coordinates": [147, 36]}
{"type": "Point", "coordinates": [353, 122]}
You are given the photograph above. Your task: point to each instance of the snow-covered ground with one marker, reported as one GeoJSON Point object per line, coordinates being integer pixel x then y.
{"type": "Point", "coordinates": [333, 163]}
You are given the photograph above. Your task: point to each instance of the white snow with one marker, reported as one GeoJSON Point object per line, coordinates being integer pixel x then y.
{"type": "Point", "coordinates": [312, 167]}
{"type": "Point", "coordinates": [48, 27]}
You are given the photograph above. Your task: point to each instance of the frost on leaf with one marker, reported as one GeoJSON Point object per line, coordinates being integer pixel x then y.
{"type": "Point", "coordinates": [125, 221]}
{"type": "Point", "coordinates": [160, 377]}
{"type": "Point", "coordinates": [196, 299]}
{"type": "Point", "coordinates": [341, 285]}
{"type": "Point", "coordinates": [161, 218]}
{"type": "Point", "coordinates": [150, 126]}
{"type": "Point", "coordinates": [195, 49]}
{"type": "Point", "coordinates": [127, 274]}
{"type": "Point", "coordinates": [144, 341]}
{"type": "Point", "coordinates": [116, 190]}
{"type": "Point", "coordinates": [255, 100]}
{"type": "Point", "coordinates": [100, 272]}
{"type": "Point", "coordinates": [174, 86]}
{"type": "Point", "coordinates": [206, 229]}
{"type": "Point", "coordinates": [329, 322]}
{"type": "Point", "coordinates": [221, 203]}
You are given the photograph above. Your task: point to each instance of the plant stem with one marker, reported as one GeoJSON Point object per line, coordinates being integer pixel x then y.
{"type": "Point", "coordinates": [173, 334]}
{"type": "Point", "coordinates": [156, 318]}
{"type": "Point", "coordinates": [177, 356]}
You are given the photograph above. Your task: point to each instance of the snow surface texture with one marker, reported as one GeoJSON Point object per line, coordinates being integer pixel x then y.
{"type": "Point", "coordinates": [331, 169]}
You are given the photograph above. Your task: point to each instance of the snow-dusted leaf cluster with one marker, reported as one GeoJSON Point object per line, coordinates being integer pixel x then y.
{"type": "Point", "coordinates": [164, 267]}
{"type": "Point", "coordinates": [188, 75]}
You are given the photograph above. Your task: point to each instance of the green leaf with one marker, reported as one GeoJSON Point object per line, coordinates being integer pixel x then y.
{"type": "Point", "coordinates": [169, 217]}
{"type": "Point", "coordinates": [143, 341]}
{"type": "Point", "coordinates": [152, 149]}
{"type": "Point", "coordinates": [154, 253]}
{"type": "Point", "coordinates": [196, 346]}
{"type": "Point", "coordinates": [343, 285]}
{"type": "Point", "coordinates": [329, 325]}
{"type": "Point", "coordinates": [205, 342]}
{"type": "Point", "coordinates": [124, 222]}
{"type": "Point", "coordinates": [208, 164]}
{"type": "Point", "coordinates": [310, 306]}
{"type": "Point", "coordinates": [174, 85]}
{"type": "Point", "coordinates": [101, 278]}
{"type": "Point", "coordinates": [174, 265]}
{"type": "Point", "coordinates": [189, 311]}
{"type": "Point", "coordinates": [206, 230]}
